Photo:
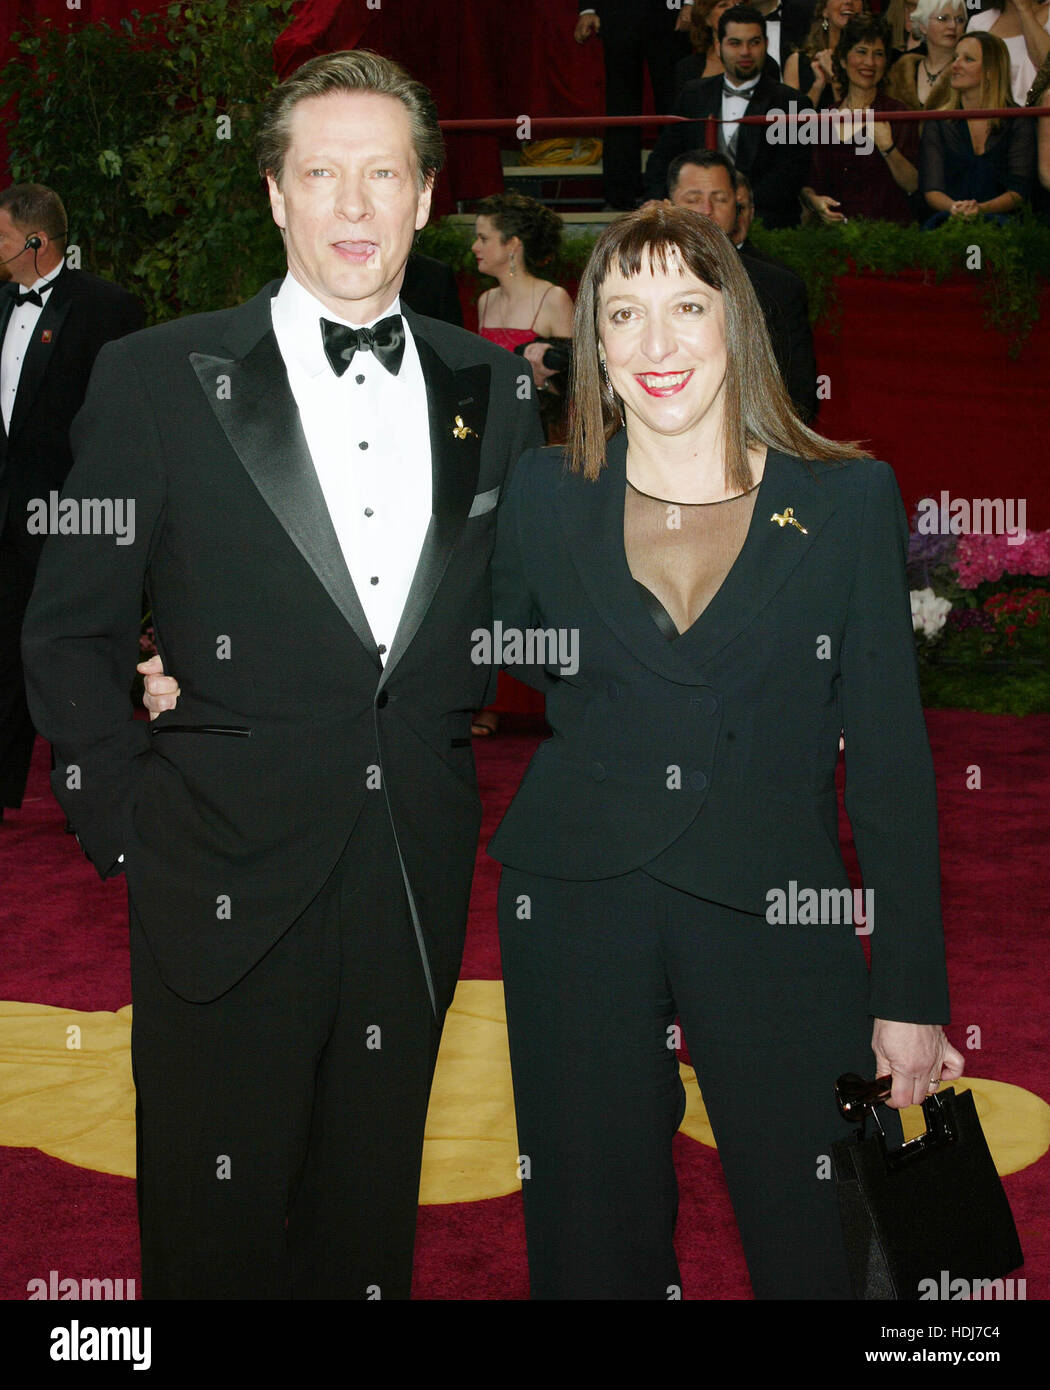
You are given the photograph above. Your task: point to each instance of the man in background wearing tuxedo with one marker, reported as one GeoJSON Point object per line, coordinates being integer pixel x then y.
{"type": "Point", "coordinates": [634, 33]}
{"type": "Point", "coordinates": [53, 321]}
{"type": "Point", "coordinates": [705, 181]}
{"type": "Point", "coordinates": [316, 474]}
{"type": "Point", "coordinates": [777, 172]}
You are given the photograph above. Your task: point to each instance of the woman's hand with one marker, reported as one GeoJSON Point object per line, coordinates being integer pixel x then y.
{"type": "Point", "coordinates": [162, 692]}
{"type": "Point", "coordinates": [917, 1055]}
{"type": "Point", "coordinates": [966, 207]}
{"type": "Point", "coordinates": [825, 208]}
{"type": "Point", "coordinates": [822, 68]}
{"type": "Point", "coordinates": [882, 135]}
{"type": "Point", "coordinates": [586, 25]}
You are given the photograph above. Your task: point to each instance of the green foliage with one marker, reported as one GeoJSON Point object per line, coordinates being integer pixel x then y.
{"type": "Point", "coordinates": [1014, 689]}
{"type": "Point", "coordinates": [127, 123]}
{"type": "Point", "coordinates": [1013, 259]}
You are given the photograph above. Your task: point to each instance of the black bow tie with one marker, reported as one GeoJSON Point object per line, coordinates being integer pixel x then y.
{"type": "Point", "coordinates": [30, 297]}
{"type": "Point", "coordinates": [386, 340]}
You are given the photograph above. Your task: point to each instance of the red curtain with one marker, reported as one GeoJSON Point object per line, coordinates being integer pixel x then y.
{"type": "Point", "coordinates": [480, 58]}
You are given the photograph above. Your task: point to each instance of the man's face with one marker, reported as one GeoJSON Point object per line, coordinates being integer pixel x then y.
{"type": "Point", "coordinates": [349, 200]}
{"type": "Point", "coordinates": [743, 51]}
{"type": "Point", "coordinates": [707, 190]}
{"type": "Point", "coordinates": [12, 240]}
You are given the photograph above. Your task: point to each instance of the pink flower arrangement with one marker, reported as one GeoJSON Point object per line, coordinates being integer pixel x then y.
{"type": "Point", "coordinates": [979, 559]}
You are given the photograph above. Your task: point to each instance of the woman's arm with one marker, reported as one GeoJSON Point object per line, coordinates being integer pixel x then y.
{"type": "Point", "coordinates": [556, 319]}
{"type": "Point", "coordinates": [1036, 39]}
{"type": "Point", "coordinates": [890, 791]}
{"type": "Point", "coordinates": [904, 172]}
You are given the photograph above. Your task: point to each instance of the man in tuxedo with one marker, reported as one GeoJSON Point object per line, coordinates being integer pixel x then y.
{"type": "Point", "coordinates": [315, 475]}
{"type": "Point", "coordinates": [53, 321]}
{"type": "Point", "coordinates": [777, 172]}
{"type": "Point", "coordinates": [633, 33]}
{"type": "Point", "coordinates": [705, 181]}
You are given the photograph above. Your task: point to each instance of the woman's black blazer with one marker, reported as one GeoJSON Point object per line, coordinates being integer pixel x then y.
{"type": "Point", "coordinates": [710, 760]}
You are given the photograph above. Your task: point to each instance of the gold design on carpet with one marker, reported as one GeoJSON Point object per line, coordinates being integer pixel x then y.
{"type": "Point", "coordinates": [78, 1104]}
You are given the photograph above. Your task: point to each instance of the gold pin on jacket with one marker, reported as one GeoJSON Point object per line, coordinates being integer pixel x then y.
{"type": "Point", "coordinates": [787, 518]}
{"type": "Point", "coordinates": [460, 430]}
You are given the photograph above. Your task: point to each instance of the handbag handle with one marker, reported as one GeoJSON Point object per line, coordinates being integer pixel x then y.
{"type": "Point", "coordinates": [858, 1098]}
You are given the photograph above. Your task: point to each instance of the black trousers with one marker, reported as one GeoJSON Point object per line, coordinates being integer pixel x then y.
{"type": "Point", "coordinates": [280, 1127]}
{"type": "Point", "coordinates": [16, 728]}
{"type": "Point", "coordinates": [595, 974]}
{"type": "Point", "coordinates": [630, 42]}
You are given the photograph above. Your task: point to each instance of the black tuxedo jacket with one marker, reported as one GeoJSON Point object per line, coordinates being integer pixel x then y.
{"type": "Point", "coordinates": [232, 809]}
{"type": "Point", "coordinates": [429, 288]}
{"type": "Point", "coordinates": [710, 760]}
{"type": "Point", "coordinates": [777, 172]}
{"type": "Point", "coordinates": [80, 313]}
{"type": "Point", "coordinates": [782, 296]}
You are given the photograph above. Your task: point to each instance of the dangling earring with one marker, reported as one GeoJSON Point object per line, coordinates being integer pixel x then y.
{"type": "Point", "coordinates": [618, 404]}
{"type": "Point", "coordinates": [824, 24]}
{"type": "Point", "coordinates": [513, 263]}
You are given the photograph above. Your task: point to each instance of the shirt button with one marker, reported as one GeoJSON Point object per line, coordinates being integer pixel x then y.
{"type": "Point", "coordinates": [369, 512]}
{"type": "Point", "coordinates": [698, 781]}
{"type": "Point", "coordinates": [374, 579]}
{"type": "Point", "coordinates": [359, 379]}
{"type": "Point", "coordinates": [381, 649]}
{"type": "Point", "coordinates": [363, 444]}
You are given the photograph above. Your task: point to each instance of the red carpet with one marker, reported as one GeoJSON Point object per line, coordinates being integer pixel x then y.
{"type": "Point", "coordinates": [64, 945]}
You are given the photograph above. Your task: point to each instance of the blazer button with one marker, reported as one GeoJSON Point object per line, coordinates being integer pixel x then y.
{"type": "Point", "coordinates": [706, 704]}
{"type": "Point", "coordinates": [698, 781]}
{"type": "Point", "coordinates": [381, 699]}
{"type": "Point", "coordinates": [598, 771]}
{"type": "Point", "coordinates": [613, 691]}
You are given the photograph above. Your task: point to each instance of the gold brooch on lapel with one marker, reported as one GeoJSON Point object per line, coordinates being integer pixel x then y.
{"type": "Point", "coordinates": [787, 518]}
{"type": "Point", "coordinates": [460, 430]}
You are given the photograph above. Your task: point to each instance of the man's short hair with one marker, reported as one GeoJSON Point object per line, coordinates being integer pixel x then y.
{"type": "Point", "coordinates": [351, 71]}
{"type": "Point", "coordinates": [741, 180]}
{"type": "Point", "coordinates": [741, 14]}
{"type": "Point", "coordinates": [33, 207]}
{"type": "Point", "coordinates": [703, 159]}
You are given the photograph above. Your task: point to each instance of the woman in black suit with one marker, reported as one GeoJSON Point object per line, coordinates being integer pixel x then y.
{"type": "Point", "coordinates": [729, 592]}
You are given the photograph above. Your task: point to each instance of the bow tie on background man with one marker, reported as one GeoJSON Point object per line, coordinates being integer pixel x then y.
{"type": "Point", "coordinates": [30, 296]}
{"type": "Point", "coordinates": [385, 339]}
{"type": "Point", "coordinates": [745, 93]}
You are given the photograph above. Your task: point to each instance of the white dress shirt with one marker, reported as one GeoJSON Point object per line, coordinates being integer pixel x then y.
{"type": "Point", "coordinates": [18, 336]}
{"type": "Point", "coordinates": [733, 107]}
{"type": "Point", "coordinates": [369, 437]}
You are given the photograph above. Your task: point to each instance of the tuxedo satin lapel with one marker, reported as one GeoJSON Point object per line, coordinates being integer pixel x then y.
{"type": "Point", "coordinates": [767, 558]}
{"type": "Point", "coordinates": [39, 353]}
{"type": "Point", "coordinates": [259, 417]}
{"type": "Point", "coordinates": [591, 516]}
{"type": "Point", "coordinates": [455, 461]}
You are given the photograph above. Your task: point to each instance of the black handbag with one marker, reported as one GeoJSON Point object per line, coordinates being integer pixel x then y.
{"type": "Point", "coordinates": [920, 1219]}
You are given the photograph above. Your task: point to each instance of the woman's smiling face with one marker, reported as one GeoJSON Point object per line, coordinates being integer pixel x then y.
{"type": "Point", "coordinates": [664, 342]}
